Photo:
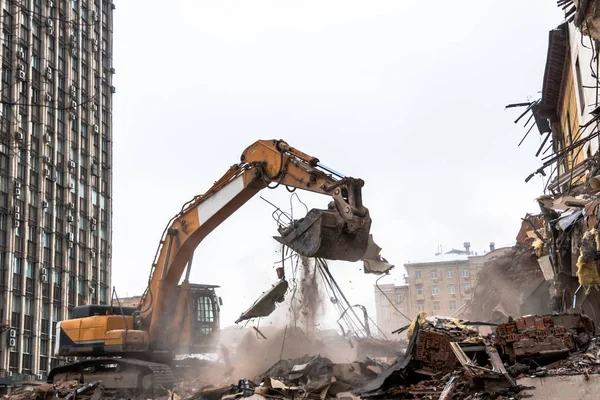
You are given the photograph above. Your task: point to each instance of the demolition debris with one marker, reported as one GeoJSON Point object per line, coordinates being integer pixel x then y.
{"type": "Point", "coordinates": [445, 359]}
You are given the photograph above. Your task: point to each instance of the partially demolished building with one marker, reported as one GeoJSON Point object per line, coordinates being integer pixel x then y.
{"type": "Point", "coordinates": [554, 265]}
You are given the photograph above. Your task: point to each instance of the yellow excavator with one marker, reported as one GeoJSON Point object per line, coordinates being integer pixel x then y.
{"type": "Point", "coordinates": [133, 348]}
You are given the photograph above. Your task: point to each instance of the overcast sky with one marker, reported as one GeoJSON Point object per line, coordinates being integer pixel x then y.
{"type": "Point", "coordinates": [408, 95]}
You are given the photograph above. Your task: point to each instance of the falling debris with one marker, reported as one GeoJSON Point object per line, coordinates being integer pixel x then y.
{"type": "Point", "coordinates": [307, 306]}
{"type": "Point", "coordinates": [373, 262]}
{"type": "Point", "coordinates": [265, 304]}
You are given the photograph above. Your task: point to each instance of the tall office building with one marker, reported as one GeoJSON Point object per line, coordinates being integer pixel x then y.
{"type": "Point", "coordinates": [55, 172]}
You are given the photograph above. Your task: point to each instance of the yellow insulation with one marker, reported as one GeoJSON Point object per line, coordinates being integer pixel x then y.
{"type": "Point", "coordinates": [587, 269]}
{"type": "Point", "coordinates": [538, 244]}
{"type": "Point", "coordinates": [421, 319]}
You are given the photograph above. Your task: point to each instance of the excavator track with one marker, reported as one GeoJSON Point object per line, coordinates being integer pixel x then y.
{"type": "Point", "coordinates": [117, 374]}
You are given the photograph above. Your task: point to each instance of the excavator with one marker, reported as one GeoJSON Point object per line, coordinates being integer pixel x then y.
{"type": "Point", "coordinates": [134, 347]}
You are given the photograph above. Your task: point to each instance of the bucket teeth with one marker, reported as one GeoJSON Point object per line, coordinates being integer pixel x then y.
{"type": "Point", "coordinates": [323, 234]}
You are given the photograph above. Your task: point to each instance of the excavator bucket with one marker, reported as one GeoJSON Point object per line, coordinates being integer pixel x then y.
{"type": "Point", "coordinates": [325, 234]}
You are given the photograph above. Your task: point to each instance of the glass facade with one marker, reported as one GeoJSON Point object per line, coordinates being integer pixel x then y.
{"type": "Point", "coordinates": [55, 171]}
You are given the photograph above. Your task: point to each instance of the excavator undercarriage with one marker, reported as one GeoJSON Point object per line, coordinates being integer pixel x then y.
{"type": "Point", "coordinates": [123, 374]}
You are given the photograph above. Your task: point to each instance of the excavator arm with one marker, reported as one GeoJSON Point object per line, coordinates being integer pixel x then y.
{"type": "Point", "coordinates": [340, 232]}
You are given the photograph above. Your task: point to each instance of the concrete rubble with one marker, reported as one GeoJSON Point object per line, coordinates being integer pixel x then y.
{"type": "Point", "coordinates": [445, 359]}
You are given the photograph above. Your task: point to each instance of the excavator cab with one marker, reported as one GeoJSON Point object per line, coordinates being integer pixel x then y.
{"type": "Point", "coordinates": [201, 327]}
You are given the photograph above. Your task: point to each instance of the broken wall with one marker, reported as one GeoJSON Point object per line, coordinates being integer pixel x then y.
{"type": "Point", "coordinates": [507, 285]}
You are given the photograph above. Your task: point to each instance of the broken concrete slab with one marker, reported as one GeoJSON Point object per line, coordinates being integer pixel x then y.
{"type": "Point", "coordinates": [265, 304]}
{"type": "Point", "coordinates": [372, 261]}
{"type": "Point", "coordinates": [543, 338]}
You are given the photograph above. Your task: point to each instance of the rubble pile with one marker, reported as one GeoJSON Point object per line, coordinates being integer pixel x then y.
{"type": "Point", "coordinates": [65, 390]}
{"type": "Point", "coordinates": [445, 359]}
{"type": "Point", "coordinates": [449, 359]}
{"type": "Point", "coordinates": [552, 335]}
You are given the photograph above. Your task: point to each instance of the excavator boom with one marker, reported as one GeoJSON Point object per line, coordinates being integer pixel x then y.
{"type": "Point", "coordinates": [340, 232]}
{"type": "Point", "coordinates": [162, 324]}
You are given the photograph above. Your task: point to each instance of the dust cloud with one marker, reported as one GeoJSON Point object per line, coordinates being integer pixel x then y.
{"type": "Point", "coordinates": [306, 305]}
{"type": "Point", "coordinates": [297, 334]}
{"type": "Point", "coordinates": [255, 355]}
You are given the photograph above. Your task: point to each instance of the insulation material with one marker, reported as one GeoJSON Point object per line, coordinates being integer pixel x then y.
{"type": "Point", "coordinates": [422, 318]}
{"type": "Point", "coordinates": [587, 264]}
{"type": "Point", "coordinates": [538, 246]}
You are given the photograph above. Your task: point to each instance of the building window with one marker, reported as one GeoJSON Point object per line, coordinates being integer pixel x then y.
{"type": "Point", "coordinates": [436, 306]}
{"type": "Point", "coordinates": [29, 270]}
{"type": "Point", "coordinates": [435, 290]}
{"type": "Point", "coordinates": [434, 274]}
{"type": "Point", "coordinates": [465, 273]}
{"type": "Point", "coordinates": [580, 86]}
{"type": "Point", "coordinates": [35, 62]}
{"type": "Point", "coordinates": [417, 274]}
{"type": "Point", "coordinates": [452, 305]}
{"type": "Point", "coordinates": [204, 310]}
{"type": "Point", "coordinates": [419, 291]}
{"type": "Point", "coordinates": [466, 288]}
{"type": "Point", "coordinates": [33, 198]}
{"type": "Point", "coordinates": [27, 344]}
{"type": "Point", "coordinates": [478, 268]}
{"type": "Point", "coordinates": [398, 297]}
{"type": "Point", "coordinates": [80, 285]}
{"type": "Point", "coordinates": [5, 74]}
{"type": "Point", "coordinates": [17, 266]}
{"type": "Point", "coordinates": [450, 273]}
{"type": "Point", "coordinates": [452, 289]}
{"type": "Point", "coordinates": [420, 307]}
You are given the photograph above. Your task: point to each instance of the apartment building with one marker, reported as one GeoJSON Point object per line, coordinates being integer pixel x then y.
{"type": "Point", "coordinates": [55, 173]}
{"type": "Point", "coordinates": [443, 283]}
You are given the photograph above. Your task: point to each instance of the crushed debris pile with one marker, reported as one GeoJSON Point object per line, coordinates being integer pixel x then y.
{"type": "Point", "coordinates": [449, 359]}
{"type": "Point", "coordinates": [550, 335]}
{"type": "Point", "coordinates": [64, 390]}
{"type": "Point", "coordinates": [445, 359]}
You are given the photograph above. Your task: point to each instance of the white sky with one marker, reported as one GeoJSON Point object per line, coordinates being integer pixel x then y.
{"type": "Point", "coordinates": [408, 95]}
